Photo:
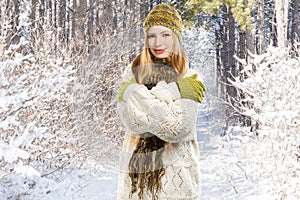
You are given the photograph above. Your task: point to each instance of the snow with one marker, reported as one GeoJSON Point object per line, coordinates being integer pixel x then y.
{"type": "Point", "coordinates": [90, 184]}
{"type": "Point", "coordinates": [78, 185]}
{"type": "Point", "coordinates": [11, 153]}
{"type": "Point", "coordinates": [43, 154]}
{"type": "Point", "coordinates": [26, 171]}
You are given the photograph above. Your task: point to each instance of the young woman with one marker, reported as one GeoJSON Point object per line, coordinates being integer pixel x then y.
{"type": "Point", "coordinates": [157, 103]}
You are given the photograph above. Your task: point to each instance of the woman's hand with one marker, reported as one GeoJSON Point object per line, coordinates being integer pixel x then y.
{"type": "Point", "coordinates": [122, 89]}
{"type": "Point", "coordinates": [167, 92]}
{"type": "Point", "coordinates": [191, 88]}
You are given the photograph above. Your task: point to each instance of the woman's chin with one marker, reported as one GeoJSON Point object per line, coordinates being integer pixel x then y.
{"type": "Point", "coordinates": [163, 55]}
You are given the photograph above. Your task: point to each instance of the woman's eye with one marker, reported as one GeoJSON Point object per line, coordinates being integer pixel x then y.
{"type": "Point", "coordinates": [166, 35]}
{"type": "Point", "coordinates": [151, 36]}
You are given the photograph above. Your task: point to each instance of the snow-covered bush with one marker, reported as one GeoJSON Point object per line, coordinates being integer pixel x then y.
{"type": "Point", "coordinates": [46, 99]}
{"type": "Point", "coordinates": [36, 107]}
{"type": "Point", "coordinates": [272, 93]}
{"type": "Point", "coordinates": [95, 96]}
{"type": "Point", "coordinates": [36, 101]}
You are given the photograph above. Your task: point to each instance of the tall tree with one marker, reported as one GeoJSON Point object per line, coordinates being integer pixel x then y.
{"type": "Point", "coordinates": [98, 17]}
{"type": "Point", "coordinates": [132, 12]}
{"type": "Point", "coordinates": [41, 14]}
{"type": "Point", "coordinates": [295, 21]}
{"type": "Point", "coordinates": [32, 18]}
{"type": "Point", "coordinates": [91, 20]}
{"type": "Point", "coordinates": [79, 8]}
{"type": "Point", "coordinates": [260, 27]}
{"type": "Point", "coordinates": [125, 14]}
{"type": "Point", "coordinates": [281, 10]}
{"type": "Point", "coordinates": [62, 21]}
{"type": "Point", "coordinates": [15, 16]}
{"type": "Point", "coordinates": [227, 53]}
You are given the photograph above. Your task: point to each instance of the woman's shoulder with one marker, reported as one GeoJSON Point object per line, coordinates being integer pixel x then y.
{"type": "Point", "coordinates": [131, 69]}
{"type": "Point", "coordinates": [127, 74]}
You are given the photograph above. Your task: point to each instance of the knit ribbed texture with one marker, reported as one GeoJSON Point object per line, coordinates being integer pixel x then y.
{"type": "Point", "coordinates": [173, 122]}
{"type": "Point", "coordinates": [167, 16]}
{"type": "Point", "coordinates": [122, 89]}
{"type": "Point", "coordinates": [191, 88]}
{"type": "Point", "coordinates": [161, 71]}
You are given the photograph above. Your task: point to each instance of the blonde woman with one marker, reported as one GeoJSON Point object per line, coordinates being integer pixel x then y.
{"type": "Point", "coordinates": [157, 103]}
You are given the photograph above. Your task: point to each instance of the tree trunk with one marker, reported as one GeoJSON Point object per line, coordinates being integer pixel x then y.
{"type": "Point", "coordinates": [125, 14]}
{"type": "Point", "coordinates": [41, 15]}
{"type": "Point", "coordinates": [242, 45]}
{"type": "Point", "coordinates": [107, 16]}
{"type": "Point", "coordinates": [281, 9]}
{"type": "Point", "coordinates": [260, 46]}
{"type": "Point", "coordinates": [90, 23]}
{"type": "Point", "coordinates": [49, 12]}
{"type": "Point", "coordinates": [243, 54]}
{"type": "Point", "coordinates": [80, 8]}
{"type": "Point", "coordinates": [231, 61]}
{"type": "Point", "coordinates": [15, 32]}
{"type": "Point", "coordinates": [62, 21]}
{"type": "Point", "coordinates": [224, 52]}
{"type": "Point", "coordinates": [32, 17]}
{"type": "Point", "coordinates": [219, 47]}
{"type": "Point", "coordinates": [228, 51]}
{"type": "Point", "coordinates": [231, 43]}
{"type": "Point", "coordinates": [295, 21]}
{"type": "Point", "coordinates": [97, 17]}
{"type": "Point", "coordinates": [143, 9]}
{"type": "Point", "coordinates": [33, 12]}
{"type": "Point", "coordinates": [250, 41]}
{"type": "Point", "coordinates": [228, 62]}
{"type": "Point", "coordinates": [68, 23]}
{"type": "Point", "coordinates": [54, 24]}
{"type": "Point", "coordinates": [132, 13]}
{"type": "Point", "coordinates": [115, 15]}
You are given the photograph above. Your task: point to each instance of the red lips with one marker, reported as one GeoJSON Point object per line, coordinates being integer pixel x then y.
{"type": "Point", "coordinates": [159, 51]}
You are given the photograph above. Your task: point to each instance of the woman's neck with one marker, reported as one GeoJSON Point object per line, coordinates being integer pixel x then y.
{"type": "Point", "coordinates": [164, 61]}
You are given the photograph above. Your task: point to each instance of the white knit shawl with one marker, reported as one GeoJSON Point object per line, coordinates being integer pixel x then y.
{"type": "Point", "coordinates": [162, 112]}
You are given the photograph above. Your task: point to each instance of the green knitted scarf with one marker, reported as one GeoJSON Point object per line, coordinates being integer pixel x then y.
{"type": "Point", "coordinates": [146, 166]}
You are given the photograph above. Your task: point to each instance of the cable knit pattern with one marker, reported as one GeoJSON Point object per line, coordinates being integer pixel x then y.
{"type": "Point", "coordinates": [173, 120]}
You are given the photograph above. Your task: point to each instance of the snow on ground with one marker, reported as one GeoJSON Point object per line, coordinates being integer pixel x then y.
{"type": "Point", "coordinates": [218, 185]}
{"type": "Point", "coordinates": [77, 185]}
{"type": "Point", "coordinates": [86, 184]}
{"type": "Point", "coordinates": [93, 182]}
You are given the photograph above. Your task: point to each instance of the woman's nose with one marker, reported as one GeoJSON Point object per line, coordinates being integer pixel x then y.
{"type": "Point", "coordinates": [158, 41]}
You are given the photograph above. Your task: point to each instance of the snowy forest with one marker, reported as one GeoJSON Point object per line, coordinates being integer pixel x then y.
{"type": "Point", "coordinates": [61, 64]}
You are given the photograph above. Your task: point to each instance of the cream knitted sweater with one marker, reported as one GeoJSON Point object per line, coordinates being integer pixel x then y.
{"type": "Point", "coordinates": [162, 112]}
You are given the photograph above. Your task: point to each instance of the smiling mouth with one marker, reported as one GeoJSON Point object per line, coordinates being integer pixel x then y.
{"type": "Point", "coordinates": [159, 51]}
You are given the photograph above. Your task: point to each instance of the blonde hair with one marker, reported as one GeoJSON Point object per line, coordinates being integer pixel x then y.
{"type": "Point", "coordinates": [145, 172]}
{"type": "Point", "coordinates": [141, 65]}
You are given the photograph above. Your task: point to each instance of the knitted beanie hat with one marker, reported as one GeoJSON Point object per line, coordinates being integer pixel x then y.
{"type": "Point", "coordinates": [167, 16]}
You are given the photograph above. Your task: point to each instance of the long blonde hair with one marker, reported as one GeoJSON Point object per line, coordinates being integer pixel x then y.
{"type": "Point", "coordinates": [143, 61]}
{"type": "Point", "coordinates": [146, 172]}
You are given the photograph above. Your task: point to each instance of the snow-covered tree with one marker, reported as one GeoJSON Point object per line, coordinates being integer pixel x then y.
{"type": "Point", "coordinates": [272, 89]}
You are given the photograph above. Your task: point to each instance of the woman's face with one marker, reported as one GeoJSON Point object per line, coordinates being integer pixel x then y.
{"type": "Point", "coordinates": [160, 41]}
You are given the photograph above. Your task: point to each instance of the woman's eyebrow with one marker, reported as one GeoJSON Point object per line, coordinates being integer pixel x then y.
{"type": "Point", "coordinates": [166, 31]}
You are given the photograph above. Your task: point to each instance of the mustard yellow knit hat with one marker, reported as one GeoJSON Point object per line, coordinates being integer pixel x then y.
{"type": "Point", "coordinates": [167, 16]}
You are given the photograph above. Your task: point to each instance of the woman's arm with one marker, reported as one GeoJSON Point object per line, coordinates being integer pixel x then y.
{"type": "Point", "coordinates": [171, 121]}
{"type": "Point", "coordinates": [160, 111]}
